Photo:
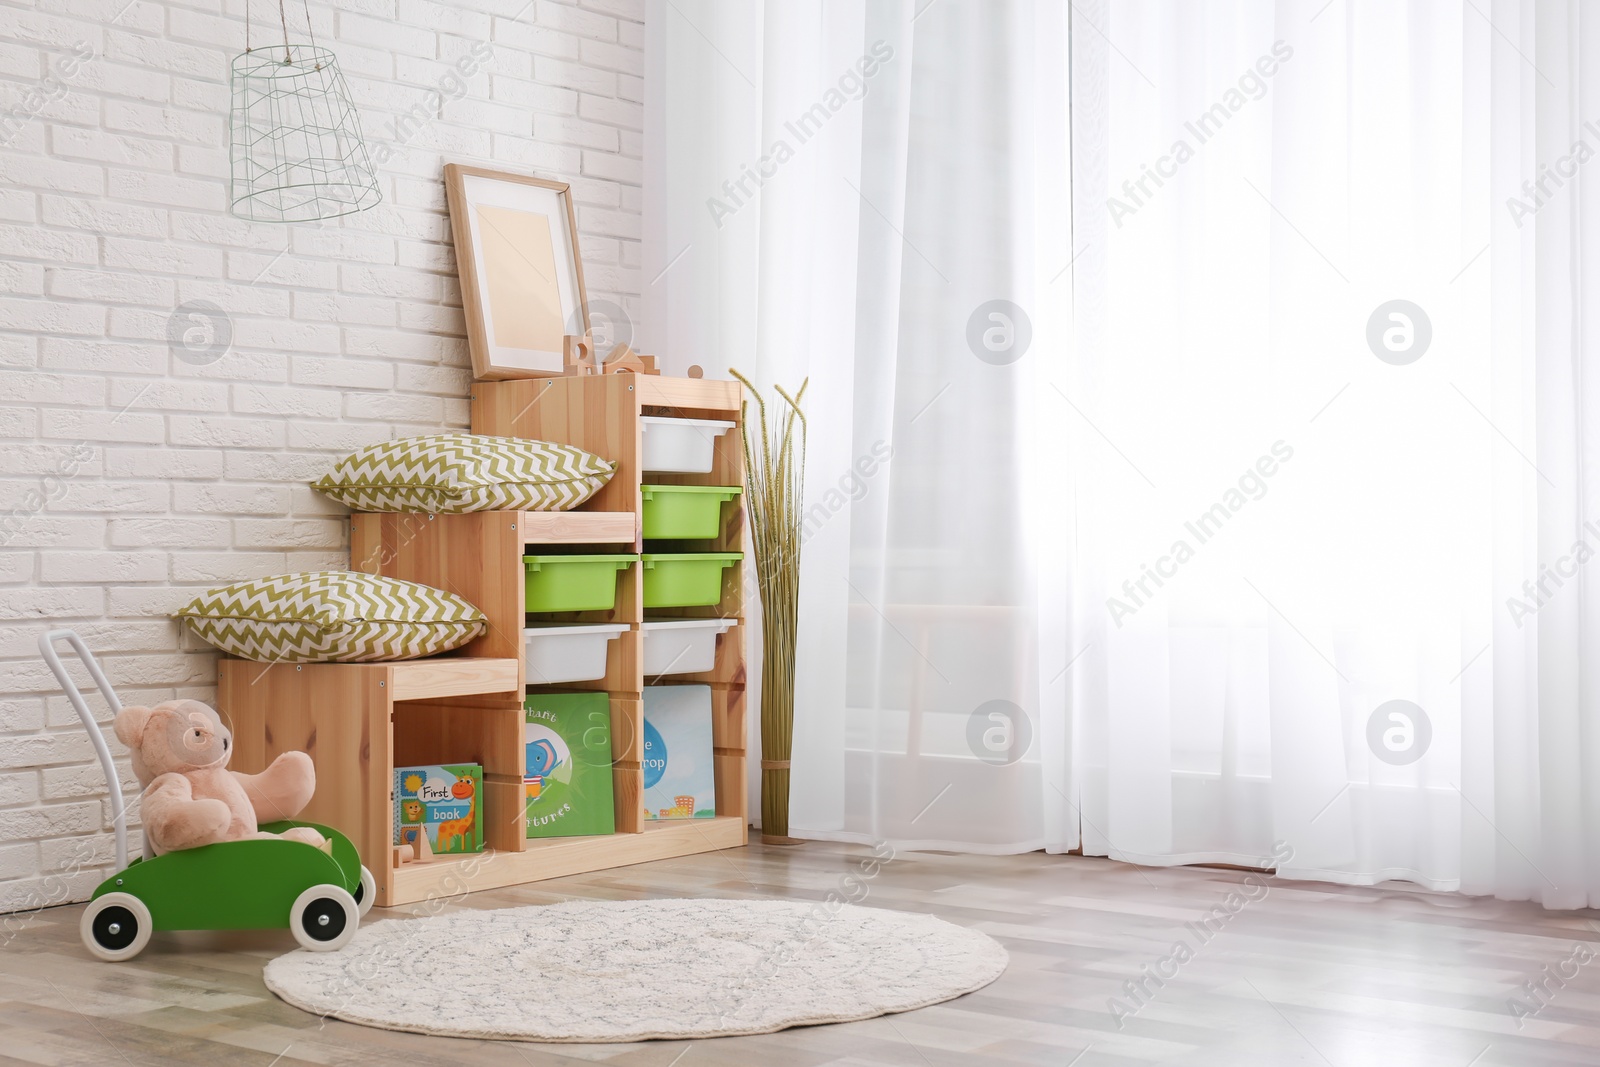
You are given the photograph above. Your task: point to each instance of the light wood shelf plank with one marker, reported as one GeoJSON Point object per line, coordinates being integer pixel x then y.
{"type": "Point", "coordinates": [578, 527]}
{"type": "Point", "coordinates": [558, 857]}
{"type": "Point", "coordinates": [693, 394]}
{"type": "Point", "coordinates": [458, 676]}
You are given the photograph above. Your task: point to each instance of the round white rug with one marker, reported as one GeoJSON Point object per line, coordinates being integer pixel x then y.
{"type": "Point", "coordinates": [634, 970]}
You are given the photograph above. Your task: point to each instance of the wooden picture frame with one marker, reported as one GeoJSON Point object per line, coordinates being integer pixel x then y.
{"type": "Point", "coordinates": [516, 242]}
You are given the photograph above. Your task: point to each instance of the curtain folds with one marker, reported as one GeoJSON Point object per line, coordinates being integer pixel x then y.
{"type": "Point", "coordinates": [907, 247]}
{"type": "Point", "coordinates": [1201, 462]}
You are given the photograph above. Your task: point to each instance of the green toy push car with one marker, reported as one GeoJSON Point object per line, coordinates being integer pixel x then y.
{"type": "Point", "coordinates": [238, 885]}
{"type": "Point", "coordinates": [262, 883]}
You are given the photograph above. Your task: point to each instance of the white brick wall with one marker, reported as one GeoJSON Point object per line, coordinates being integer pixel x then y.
{"type": "Point", "coordinates": [130, 478]}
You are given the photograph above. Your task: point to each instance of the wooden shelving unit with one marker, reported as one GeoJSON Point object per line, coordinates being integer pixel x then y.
{"type": "Point", "coordinates": [360, 721]}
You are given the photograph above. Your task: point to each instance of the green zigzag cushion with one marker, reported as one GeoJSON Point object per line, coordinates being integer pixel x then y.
{"type": "Point", "coordinates": [332, 617]}
{"type": "Point", "coordinates": [451, 473]}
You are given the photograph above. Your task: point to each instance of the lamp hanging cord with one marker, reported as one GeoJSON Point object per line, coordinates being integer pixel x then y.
{"type": "Point", "coordinates": [246, 27]}
{"type": "Point", "coordinates": [283, 20]}
{"type": "Point", "coordinates": [310, 32]}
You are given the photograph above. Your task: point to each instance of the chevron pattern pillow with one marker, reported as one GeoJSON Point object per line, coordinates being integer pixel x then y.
{"type": "Point", "coordinates": [450, 473]}
{"type": "Point", "coordinates": [332, 617]}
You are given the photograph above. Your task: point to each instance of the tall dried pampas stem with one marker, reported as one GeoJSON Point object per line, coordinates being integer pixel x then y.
{"type": "Point", "coordinates": [776, 476]}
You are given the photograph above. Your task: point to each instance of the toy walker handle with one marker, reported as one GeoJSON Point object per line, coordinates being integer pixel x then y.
{"type": "Point", "coordinates": [47, 649]}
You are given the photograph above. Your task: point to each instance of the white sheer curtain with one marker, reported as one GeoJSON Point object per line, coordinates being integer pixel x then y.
{"type": "Point", "coordinates": [1252, 185]}
{"type": "Point", "coordinates": [1194, 539]}
{"type": "Point", "coordinates": [932, 183]}
{"type": "Point", "coordinates": [1311, 165]}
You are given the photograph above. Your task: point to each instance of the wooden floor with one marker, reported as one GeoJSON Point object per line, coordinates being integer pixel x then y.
{"type": "Point", "coordinates": [1305, 973]}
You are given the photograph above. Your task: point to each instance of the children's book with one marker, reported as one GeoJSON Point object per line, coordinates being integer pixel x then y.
{"type": "Point", "coordinates": [679, 775]}
{"type": "Point", "coordinates": [567, 775]}
{"type": "Point", "coordinates": [443, 802]}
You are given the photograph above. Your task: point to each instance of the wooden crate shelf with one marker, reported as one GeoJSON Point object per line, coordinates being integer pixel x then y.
{"type": "Point", "coordinates": [348, 717]}
{"type": "Point", "coordinates": [360, 721]}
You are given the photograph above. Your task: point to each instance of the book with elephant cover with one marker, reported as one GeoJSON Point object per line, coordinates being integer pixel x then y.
{"type": "Point", "coordinates": [441, 802]}
{"type": "Point", "coordinates": [566, 780]}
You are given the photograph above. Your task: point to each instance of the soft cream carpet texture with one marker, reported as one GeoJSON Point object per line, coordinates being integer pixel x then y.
{"type": "Point", "coordinates": [631, 970]}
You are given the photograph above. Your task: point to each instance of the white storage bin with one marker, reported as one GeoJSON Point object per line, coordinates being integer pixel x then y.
{"type": "Point", "coordinates": [682, 446]}
{"type": "Point", "coordinates": [681, 646]}
{"type": "Point", "coordinates": [568, 653]}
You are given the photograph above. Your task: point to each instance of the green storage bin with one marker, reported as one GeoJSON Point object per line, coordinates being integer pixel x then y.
{"type": "Point", "coordinates": [684, 511]}
{"type": "Point", "coordinates": [573, 583]}
{"type": "Point", "coordinates": [685, 579]}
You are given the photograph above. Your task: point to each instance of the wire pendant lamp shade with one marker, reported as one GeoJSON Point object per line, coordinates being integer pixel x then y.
{"type": "Point", "coordinates": [297, 149]}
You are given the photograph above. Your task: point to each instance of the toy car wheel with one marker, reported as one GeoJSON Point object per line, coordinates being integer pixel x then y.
{"type": "Point", "coordinates": [324, 917]}
{"type": "Point", "coordinates": [366, 892]}
{"type": "Point", "coordinates": [116, 927]}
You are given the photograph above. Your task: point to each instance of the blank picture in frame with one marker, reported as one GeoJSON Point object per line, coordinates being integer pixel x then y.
{"type": "Point", "coordinates": [521, 276]}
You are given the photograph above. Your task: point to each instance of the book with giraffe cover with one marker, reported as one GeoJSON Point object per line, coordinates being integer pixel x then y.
{"type": "Point", "coordinates": [442, 802]}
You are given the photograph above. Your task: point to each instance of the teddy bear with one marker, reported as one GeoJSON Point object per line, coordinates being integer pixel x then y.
{"type": "Point", "coordinates": [180, 755]}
